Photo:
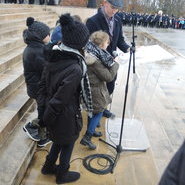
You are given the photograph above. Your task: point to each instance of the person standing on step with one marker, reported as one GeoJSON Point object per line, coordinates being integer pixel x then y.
{"type": "Point", "coordinates": [107, 20]}
{"type": "Point", "coordinates": [101, 68]}
{"type": "Point", "coordinates": [63, 82]}
{"type": "Point", "coordinates": [35, 36]}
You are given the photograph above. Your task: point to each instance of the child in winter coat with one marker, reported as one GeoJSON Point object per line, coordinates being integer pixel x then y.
{"type": "Point", "coordinates": [101, 68]}
{"type": "Point", "coordinates": [35, 36]}
{"type": "Point", "coordinates": [64, 79]}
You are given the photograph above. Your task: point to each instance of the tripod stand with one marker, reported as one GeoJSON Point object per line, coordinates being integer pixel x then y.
{"type": "Point", "coordinates": [118, 147]}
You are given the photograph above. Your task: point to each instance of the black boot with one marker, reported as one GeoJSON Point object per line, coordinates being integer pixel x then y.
{"type": "Point", "coordinates": [49, 167]}
{"type": "Point", "coordinates": [86, 140]}
{"type": "Point", "coordinates": [65, 176]}
{"type": "Point", "coordinates": [97, 134]}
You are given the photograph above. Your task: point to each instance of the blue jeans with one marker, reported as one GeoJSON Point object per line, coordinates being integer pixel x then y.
{"type": "Point", "coordinates": [93, 122]}
{"type": "Point", "coordinates": [65, 152]}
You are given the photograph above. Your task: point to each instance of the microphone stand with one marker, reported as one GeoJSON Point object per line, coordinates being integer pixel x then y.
{"type": "Point", "coordinates": [118, 147]}
{"type": "Point", "coordinates": [133, 42]}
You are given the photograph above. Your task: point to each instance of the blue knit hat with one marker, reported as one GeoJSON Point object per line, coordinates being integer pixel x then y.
{"type": "Point", "coordinates": [116, 3]}
{"type": "Point", "coordinates": [56, 35]}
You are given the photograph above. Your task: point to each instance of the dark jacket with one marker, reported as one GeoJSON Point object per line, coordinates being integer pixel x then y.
{"type": "Point", "coordinates": [33, 62]}
{"type": "Point", "coordinates": [59, 92]}
{"type": "Point", "coordinates": [175, 171]}
{"type": "Point", "coordinates": [98, 22]}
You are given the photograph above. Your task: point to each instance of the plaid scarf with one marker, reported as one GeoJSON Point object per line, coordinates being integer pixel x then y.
{"type": "Point", "coordinates": [104, 56]}
{"type": "Point", "coordinates": [85, 85]}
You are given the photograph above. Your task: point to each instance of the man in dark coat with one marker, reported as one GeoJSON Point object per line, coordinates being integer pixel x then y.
{"type": "Point", "coordinates": [107, 20]}
{"type": "Point", "coordinates": [59, 92]}
{"type": "Point", "coordinates": [35, 36]}
{"type": "Point", "coordinates": [175, 171]}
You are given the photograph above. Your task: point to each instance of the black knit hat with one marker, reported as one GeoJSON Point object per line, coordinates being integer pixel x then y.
{"type": "Point", "coordinates": [74, 34]}
{"type": "Point", "coordinates": [40, 29]}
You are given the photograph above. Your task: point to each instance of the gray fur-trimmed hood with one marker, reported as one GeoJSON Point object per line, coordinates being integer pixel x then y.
{"type": "Point", "coordinates": [90, 58]}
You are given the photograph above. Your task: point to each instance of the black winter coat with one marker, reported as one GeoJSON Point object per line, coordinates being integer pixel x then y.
{"type": "Point", "coordinates": [59, 93]}
{"type": "Point", "coordinates": [33, 62]}
{"type": "Point", "coordinates": [175, 171]}
{"type": "Point", "coordinates": [98, 22]}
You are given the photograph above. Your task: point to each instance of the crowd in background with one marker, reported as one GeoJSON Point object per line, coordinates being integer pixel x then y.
{"type": "Point", "coordinates": [158, 20]}
{"type": "Point", "coordinates": [152, 20]}
{"type": "Point", "coordinates": [41, 2]}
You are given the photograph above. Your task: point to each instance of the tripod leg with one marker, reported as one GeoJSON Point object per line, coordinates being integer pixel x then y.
{"type": "Point", "coordinates": [134, 150]}
{"type": "Point", "coordinates": [107, 143]}
{"type": "Point", "coordinates": [115, 162]}
{"type": "Point", "coordinates": [134, 62]}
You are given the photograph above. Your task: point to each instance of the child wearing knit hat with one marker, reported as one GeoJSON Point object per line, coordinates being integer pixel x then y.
{"type": "Point", "coordinates": [63, 83]}
{"type": "Point", "coordinates": [35, 36]}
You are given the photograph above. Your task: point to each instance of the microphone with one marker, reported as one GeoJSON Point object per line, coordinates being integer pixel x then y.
{"type": "Point", "coordinates": [114, 54]}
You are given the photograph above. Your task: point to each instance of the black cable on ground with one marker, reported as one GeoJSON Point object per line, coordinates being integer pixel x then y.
{"type": "Point", "coordinates": [106, 168]}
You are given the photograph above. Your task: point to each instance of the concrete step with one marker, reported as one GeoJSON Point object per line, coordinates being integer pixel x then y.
{"type": "Point", "coordinates": [12, 110]}
{"type": "Point", "coordinates": [18, 30]}
{"type": "Point", "coordinates": [13, 16]}
{"type": "Point", "coordinates": [10, 80]}
{"type": "Point", "coordinates": [5, 25]}
{"type": "Point", "coordinates": [17, 10]}
{"type": "Point", "coordinates": [11, 32]}
{"type": "Point", "coordinates": [4, 5]}
{"type": "Point", "coordinates": [16, 154]}
{"type": "Point", "coordinates": [9, 43]}
{"type": "Point", "coordinates": [10, 59]}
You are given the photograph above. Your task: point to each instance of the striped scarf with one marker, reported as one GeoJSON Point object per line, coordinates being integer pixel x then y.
{"type": "Point", "coordinates": [85, 85]}
{"type": "Point", "coordinates": [104, 56]}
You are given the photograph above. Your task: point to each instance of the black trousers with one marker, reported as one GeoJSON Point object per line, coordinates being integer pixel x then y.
{"type": "Point", "coordinates": [64, 153]}
{"type": "Point", "coordinates": [31, 1]}
{"type": "Point", "coordinates": [111, 85]}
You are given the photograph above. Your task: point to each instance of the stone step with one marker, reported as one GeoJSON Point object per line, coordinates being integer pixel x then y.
{"type": "Point", "coordinates": [18, 29]}
{"type": "Point", "coordinates": [13, 16]}
{"type": "Point", "coordinates": [5, 25]}
{"type": "Point", "coordinates": [10, 59]}
{"type": "Point", "coordinates": [9, 43]}
{"type": "Point", "coordinates": [12, 110]}
{"type": "Point", "coordinates": [10, 80]}
{"type": "Point", "coordinates": [4, 5]}
{"type": "Point", "coordinates": [16, 108]}
{"type": "Point", "coordinates": [11, 32]}
{"type": "Point", "coordinates": [16, 154]}
{"type": "Point", "coordinates": [18, 10]}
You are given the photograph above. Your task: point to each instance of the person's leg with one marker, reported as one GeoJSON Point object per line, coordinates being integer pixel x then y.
{"type": "Point", "coordinates": [36, 129]}
{"type": "Point", "coordinates": [110, 88]}
{"type": "Point", "coordinates": [50, 166]}
{"type": "Point", "coordinates": [63, 174]}
{"type": "Point", "coordinates": [111, 85]}
{"type": "Point", "coordinates": [65, 156]}
{"type": "Point", "coordinates": [93, 122]}
{"type": "Point", "coordinates": [42, 131]}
